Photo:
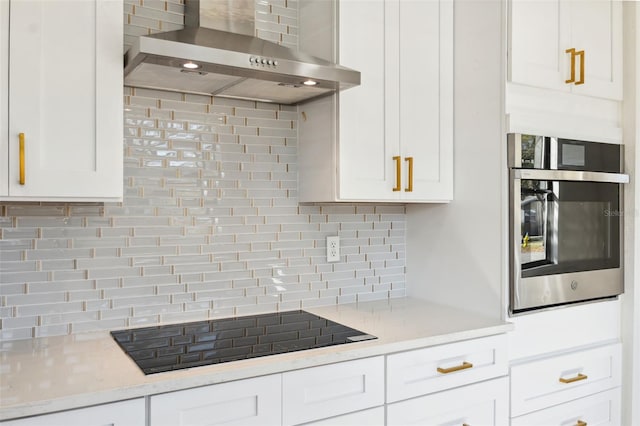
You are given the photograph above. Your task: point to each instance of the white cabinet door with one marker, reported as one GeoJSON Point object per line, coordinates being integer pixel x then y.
{"type": "Point", "coordinates": [365, 166]}
{"type": "Point", "coordinates": [331, 390]}
{"type": "Point", "coordinates": [123, 413]}
{"type": "Point", "coordinates": [4, 95]}
{"type": "Point", "coordinates": [596, 28]}
{"type": "Point", "coordinates": [484, 403]}
{"type": "Point", "coordinates": [601, 409]}
{"type": "Point", "coordinates": [535, 56]}
{"type": "Point", "coordinates": [244, 402]}
{"type": "Point", "coordinates": [425, 112]}
{"type": "Point", "coordinates": [540, 32]}
{"type": "Point", "coordinates": [65, 96]}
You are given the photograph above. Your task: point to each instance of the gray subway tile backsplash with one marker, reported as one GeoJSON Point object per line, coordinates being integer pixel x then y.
{"type": "Point", "coordinates": [210, 225]}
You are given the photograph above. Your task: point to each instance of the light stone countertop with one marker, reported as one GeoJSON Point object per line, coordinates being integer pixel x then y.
{"type": "Point", "coordinates": [58, 373]}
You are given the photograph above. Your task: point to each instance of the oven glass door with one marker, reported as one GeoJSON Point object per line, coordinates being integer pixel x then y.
{"type": "Point", "coordinates": [568, 226]}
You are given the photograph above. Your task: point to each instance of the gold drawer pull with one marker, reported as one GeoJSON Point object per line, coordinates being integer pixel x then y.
{"type": "Point", "coordinates": [579, 377]}
{"type": "Point", "coordinates": [581, 423]}
{"type": "Point", "coordinates": [462, 366]}
{"type": "Point", "coordinates": [22, 165]}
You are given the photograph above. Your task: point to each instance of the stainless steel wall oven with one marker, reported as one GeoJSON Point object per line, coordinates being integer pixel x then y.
{"type": "Point", "coordinates": [565, 221]}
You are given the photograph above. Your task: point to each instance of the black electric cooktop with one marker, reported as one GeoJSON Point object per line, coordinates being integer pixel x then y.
{"type": "Point", "coordinates": [177, 346]}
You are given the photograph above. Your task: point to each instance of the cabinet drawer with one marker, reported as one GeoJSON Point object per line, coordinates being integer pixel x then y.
{"type": "Point", "coordinates": [540, 384]}
{"type": "Point", "coordinates": [484, 403]}
{"type": "Point", "coordinates": [370, 417]}
{"type": "Point", "coordinates": [601, 409]}
{"type": "Point", "coordinates": [122, 413]}
{"type": "Point", "coordinates": [331, 390]}
{"type": "Point", "coordinates": [433, 369]}
{"type": "Point", "coordinates": [244, 402]}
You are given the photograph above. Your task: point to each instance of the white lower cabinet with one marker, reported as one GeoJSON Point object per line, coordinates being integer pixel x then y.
{"type": "Point", "coordinates": [601, 409]}
{"type": "Point", "coordinates": [254, 401]}
{"type": "Point", "coordinates": [436, 368]}
{"type": "Point", "coordinates": [290, 398]}
{"type": "Point", "coordinates": [370, 417]}
{"type": "Point", "coordinates": [330, 390]}
{"type": "Point", "coordinates": [122, 413]}
{"type": "Point", "coordinates": [457, 383]}
{"type": "Point", "coordinates": [484, 403]}
{"type": "Point", "coordinates": [554, 380]}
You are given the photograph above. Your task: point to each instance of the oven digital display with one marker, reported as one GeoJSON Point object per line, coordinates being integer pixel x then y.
{"type": "Point", "coordinates": [573, 155]}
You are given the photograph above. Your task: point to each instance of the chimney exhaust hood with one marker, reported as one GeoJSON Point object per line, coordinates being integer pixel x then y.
{"type": "Point", "coordinates": [218, 54]}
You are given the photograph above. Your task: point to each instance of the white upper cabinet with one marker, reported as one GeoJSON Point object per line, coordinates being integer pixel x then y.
{"type": "Point", "coordinates": [569, 46]}
{"type": "Point", "coordinates": [365, 166]}
{"type": "Point", "coordinates": [64, 136]}
{"type": "Point", "coordinates": [4, 95]}
{"type": "Point", "coordinates": [426, 98]}
{"type": "Point", "coordinates": [393, 137]}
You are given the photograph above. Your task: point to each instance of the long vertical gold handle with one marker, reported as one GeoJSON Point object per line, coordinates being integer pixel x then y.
{"type": "Point", "coordinates": [22, 166]}
{"type": "Point", "coordinates": [581, 54]}
{"type": "Point", "coordinates": [581, 423]}
{"type": "Point", "coordinates": [398, 186]}
{"type": "Point", "coordinates": [579, 377]}
{"type": "Point", "coordinates": [573, 65]}
{"type": "Point", "coordinates": [410, 161]}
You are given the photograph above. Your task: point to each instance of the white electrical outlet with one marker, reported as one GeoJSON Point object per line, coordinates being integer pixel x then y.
{"type": "Point", "coordinates": [333, 249]}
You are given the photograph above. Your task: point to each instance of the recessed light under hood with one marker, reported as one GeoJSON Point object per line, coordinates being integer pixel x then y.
{"type": "Point", "coordinates": [218, 62]}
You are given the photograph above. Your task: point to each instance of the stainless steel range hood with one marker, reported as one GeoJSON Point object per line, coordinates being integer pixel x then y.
{"type": "Point", "coordinates": [211, 56]}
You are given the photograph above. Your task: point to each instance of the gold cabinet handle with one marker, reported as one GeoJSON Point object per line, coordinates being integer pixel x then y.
{"type": "Point", "coordinates": [410, 161]}
{"type": "Point", "coordinates": [581, 423]}
{"type": "Point", "coordinates": [581, 54]}
{"type": "Point", "coordinates": [22, 165]}
{"type": "Point", "coordinates": [579, 377]}
{"type": "Point", "coordinates": [462, 366]}
{"type": "Point", "coordinates": [573, 65]}
{"type": "Point", "coordinates": [575, 53]}
{"type": "Point", "coordinates": [398, 160]}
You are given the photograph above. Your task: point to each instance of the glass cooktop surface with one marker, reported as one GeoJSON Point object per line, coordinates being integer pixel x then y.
{"type": "Point", "coordinates": [177, 346]}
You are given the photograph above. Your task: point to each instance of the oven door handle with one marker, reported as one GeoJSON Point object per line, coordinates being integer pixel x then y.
{"type": "Point", "coordinates": [571, 175]}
